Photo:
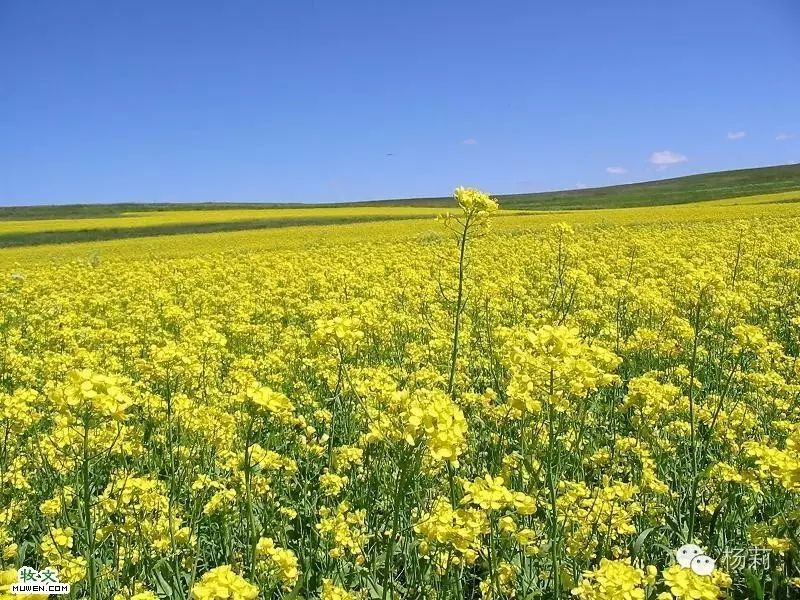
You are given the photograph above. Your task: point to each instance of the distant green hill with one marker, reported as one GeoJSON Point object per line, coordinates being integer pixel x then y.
{"type": "Point", "coordinates": [692, 188]}
{"type": "Point", "coordinates": [679, 190]}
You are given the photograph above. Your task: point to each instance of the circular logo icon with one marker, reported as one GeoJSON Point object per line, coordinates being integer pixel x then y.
{"type": "Point", "coordinates": [703, 564]}
{"type": "Point", "coordinates": [686, 553]}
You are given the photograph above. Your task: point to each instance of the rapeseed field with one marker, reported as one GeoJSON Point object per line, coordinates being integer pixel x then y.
{"type": "Point", "coordinates": [483, 406]}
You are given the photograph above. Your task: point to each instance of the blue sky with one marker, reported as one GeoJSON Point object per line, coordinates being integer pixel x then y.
{"type": "Point", "coordinates": [331, 101]}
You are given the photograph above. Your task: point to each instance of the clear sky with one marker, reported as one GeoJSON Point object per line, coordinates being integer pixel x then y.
{"type": "Point", "coordinates": [269, 100]}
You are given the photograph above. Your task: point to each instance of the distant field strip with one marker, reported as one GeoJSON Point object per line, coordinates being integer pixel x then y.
{"type": "Point", "coordinates": [386, 225]}
{"type": "Point", "coordinates": [136, 225]}
{"type": "Point", "coordinates": [128, 225]}
{"type": "Point", "coordinates": [777, 198]}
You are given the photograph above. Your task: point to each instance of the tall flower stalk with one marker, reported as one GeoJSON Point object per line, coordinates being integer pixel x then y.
{"type": "Point", "coordinates": [476, 207]}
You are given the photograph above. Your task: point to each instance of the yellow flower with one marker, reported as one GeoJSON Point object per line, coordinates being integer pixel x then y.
{"type": "Point", "coordinates": [57, 543]}
{"type": "Point", "coordinates": [87, 394]}
{"type": "Point", "coordinates": [500, 583]}
{"type": "Point", "coordinates": [344, 529]}
{"type": "Point", "coordinates": [553, 364]}
{"type": "Point", "coordinates": [221, 583]}
{"type": "Point", "coordinates": [615, 580]}
{"type": "Point", "coordinates": [426, 417]}
{"type": "Point", "coordinates": [270, 402]}
{"type": "Point", "coordinates": [331, 484]}
{"type": "Point", "coordinates": [434, 418]}
{"type": "Point", "coordinates": [451, 531]}
{"type": "Point", "coordinates": [330, 591]}
{"type": "Point", "coordinates": [685, 584]}
{"type": "Point", "coordinates": [138, 593]}
{"type": "Point", "coordinates": [278, 563]}
{"type": "Point", "coordinates": [488, 492]}
{"type": "Point", "coordinates": [222, 502]}
{"type": "Point", "coordinates": [474, 201]}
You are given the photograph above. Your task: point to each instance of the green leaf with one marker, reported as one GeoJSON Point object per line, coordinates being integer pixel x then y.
{"type": "Point", "coordinates": [374, 590]}
{"type": "Point", "coordinates": [754, 584]}
{"type": "Point", "coordinates": [640, 539]}
{"type": "Point", "coordinates": [162, 586]}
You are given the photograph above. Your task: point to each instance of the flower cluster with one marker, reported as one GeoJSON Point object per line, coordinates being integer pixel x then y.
{"type": "Point", "coordinates": [221, 583]}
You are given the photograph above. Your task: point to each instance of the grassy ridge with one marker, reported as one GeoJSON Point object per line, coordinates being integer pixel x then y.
{"type": "Point", "coordinates": [679, 190]}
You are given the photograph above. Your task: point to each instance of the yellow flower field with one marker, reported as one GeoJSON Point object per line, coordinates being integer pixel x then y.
{"type": "Point", "coordinates": [487, 405]}
{"type": "Point", "coordinates": [187, 217]}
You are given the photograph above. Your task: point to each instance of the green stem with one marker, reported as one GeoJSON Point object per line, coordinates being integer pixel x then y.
{"type": "Point", "coordinates": [551, 484]}
{"type": "Point", "coordinates": [459, 306]}
{"type": "Point", "coordinates": [388, 580]}
{"type": "Point", "coordinates": [171, 498]}
{"type": "Point", "coordinates": [87, 514]}
{"type": "Point", "coordinates": [692, 440]}
{"type": "Point", "coordinates": [252, 534]}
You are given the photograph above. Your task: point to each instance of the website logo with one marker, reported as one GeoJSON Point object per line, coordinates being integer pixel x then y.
{"type": "Point", "coordinates": [31, 581]}
{"type": "Point", "coordinates": [693, 557]}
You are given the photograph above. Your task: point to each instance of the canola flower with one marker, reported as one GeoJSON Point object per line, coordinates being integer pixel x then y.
{"type": "Point", "coordinates": [279, 563]}
{"type": "Point", "coordinates": [616, 579]}
{"type": "Point", "coordinates": [685, 584]}
{"type": "Point", "coordinates": [249, 423]}
{"type": "Point", "coordinates": [221, 583]}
